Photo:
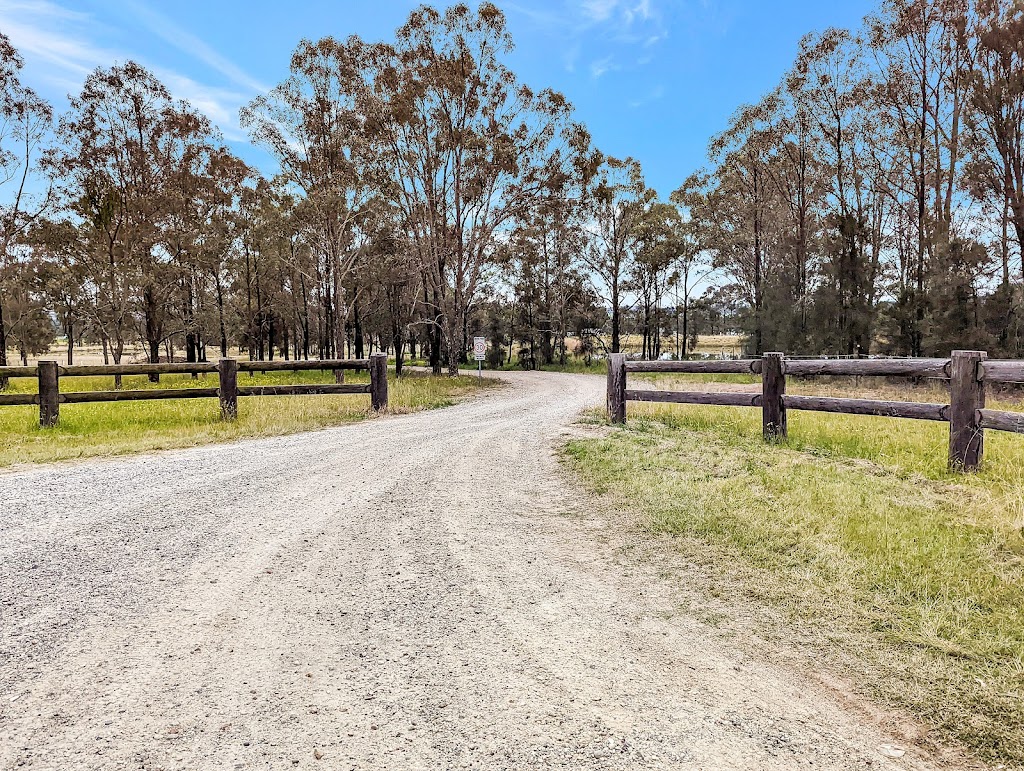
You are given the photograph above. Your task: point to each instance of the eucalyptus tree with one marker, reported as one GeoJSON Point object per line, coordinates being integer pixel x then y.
{"type": "Point", "coordinates": [468, 149]}
{"type": "Point", "coordinates": [997, 118]}
{"type": "Point", "coordinates": [834, 78]}
{"type": "Point", "coordinates": [659, 241]}
{"type": "Point", "coordinates": [61, 268]}
{"type": "Point", "coordinates": [312, 124]}
{"type": "Point", "coordinates": [921, 55]}
{"type": "Point", "coordinates": [546, 273]}
{"type": "Point", "coordinates": [742, 192]}
{"type": "Point", "coordinates": [25, 123]}
{"type": "Point", "coordinates": [690, 240]}
{"type": "Point", "coordinates": [215, 213]}
{"type": "Point", "coordinates": [125, 145]}
{"type": "Point", "coordinates": [616, 198]}
{"type": "Point", "coordinates": [196, 231]}
{"type": "Point", "coordinates": [392, 281]}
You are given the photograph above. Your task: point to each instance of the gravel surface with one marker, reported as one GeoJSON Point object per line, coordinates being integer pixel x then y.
{"type": "Point", "coordinates": [403, 593]}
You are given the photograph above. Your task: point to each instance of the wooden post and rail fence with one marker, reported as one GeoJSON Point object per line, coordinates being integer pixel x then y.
{"type": "Point", "coordinates": [49, 375]}
{"type": "Point", "coordinates": [967, 372]}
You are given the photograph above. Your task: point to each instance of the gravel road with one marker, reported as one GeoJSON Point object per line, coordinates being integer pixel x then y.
{"type": "Point", "coordinates": [415, 592]}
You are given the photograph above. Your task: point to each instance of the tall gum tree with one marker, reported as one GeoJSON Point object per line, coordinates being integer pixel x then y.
{"type": "Point", "coordinates": [126, 143]}
{"type": "Point", "coordinates": [25, 123]}
{"type": "Point", "coordinates": [312, 125]}
{"type": "Point", "coordinates": [997, 121]}
{"type": "Point", "coordinates": [616, 200]}
{"type": "Point", "coordinates": [466, 147]}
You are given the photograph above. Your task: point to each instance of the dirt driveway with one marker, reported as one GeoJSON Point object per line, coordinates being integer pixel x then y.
{"type": "Point", "coordinates": [404, 593]}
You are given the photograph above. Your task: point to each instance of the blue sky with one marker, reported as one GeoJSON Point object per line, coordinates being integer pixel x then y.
{"type": "Point", "coordinates": [654, 79]}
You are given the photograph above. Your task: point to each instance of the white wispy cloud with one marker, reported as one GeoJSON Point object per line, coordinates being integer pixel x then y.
{"type": "Point", "coordinates": [570, 57]}
{"type": "Point", "coordinates": [58, 45]}
{"type": "Point", "coordinates": [652, 95]}
{"type": "Point", "coordinates": [600, 32]}
{"type": "Point", "coordinates": [623, 15]}
{"type": "Point", "coordinates": [601, 66]}
{"type": "Point", "coordinates": [599, 10]}
{"type": "Point", "coordinates": [32, 26]}
{"type": "Point", "coordinates": [185, 41]}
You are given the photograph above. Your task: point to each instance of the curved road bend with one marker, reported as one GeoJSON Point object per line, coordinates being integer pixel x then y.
{"type": "Point", "coordinates": [403, 593]}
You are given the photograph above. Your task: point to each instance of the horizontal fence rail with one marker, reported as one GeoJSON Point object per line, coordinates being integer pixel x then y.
{"type": "Point", "coordinates": [84, 397]}
{"type": "Point", "coordinates": [49, 374]}
{"type": "Point", "coordinates": [7, 372]}
{"type": "Point", "coordinates": [696, 397]}
{"type": "Point", "coordinates": [303, 390]}
{"type": "Point", "coordinates": [712, 367]}
{"type": "Point", "coordinates": [178, 368]}
{"type": "Point", "coordinates": [886, 409]}
{"type": "Point", "coordinates": [934, 368]}
{"type": "Point", "coordinates": [303, 364]}
{"type": "Point", "coordinates": [1001, 421]}
{"type": "Point", "coordinates": [12, 400]}
{"type": "Point", "coordinates": [966, 371]}
{"type": "Point", "coordinates": [1002, 371]}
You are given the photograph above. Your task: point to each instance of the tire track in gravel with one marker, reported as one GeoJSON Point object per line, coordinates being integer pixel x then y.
{"type": "Point", "coordinates": [402, 593]}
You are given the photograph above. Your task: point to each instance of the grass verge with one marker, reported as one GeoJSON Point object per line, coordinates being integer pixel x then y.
{"type": "Point", "coordinates": [106, 429]}
{"type": "Point", "coordinates": [853, 536]}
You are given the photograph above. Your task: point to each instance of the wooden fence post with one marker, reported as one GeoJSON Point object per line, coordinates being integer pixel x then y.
{"type": "Point", "coordinates": [773, 386]}
{"type": "Point", "coordinates": [966, 397]}
{"type": "Point", "coordinates": [227, 371]}
{"type": "Point", "coordinates": [617, 387]}
{"type": "Point", "coordinates": [379, 381]}
{"type": "Point", "coordinates": [48, 373]}
{"type": "Point", "coordinates": [339, 376]}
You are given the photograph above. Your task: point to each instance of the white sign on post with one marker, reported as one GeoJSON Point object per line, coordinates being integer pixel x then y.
{"type": "Point", "coordinates": [479, 351]}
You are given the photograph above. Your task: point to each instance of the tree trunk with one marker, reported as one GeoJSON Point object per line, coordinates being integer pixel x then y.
{"type": "Point", "coordinates": [452, 333]}
{"type": "Point", "coordinates": [357, 327]}
{"type": "Point", "coordinates": [153, 330]}
{"type": "Point", "coordinates": [398, 341]}
{"type": "Point", "coordinates": [220, 315]}
{"type": "Point", "coordinates": [686, 325]}
{"type": "Point", "coordinates": [615, 316]}
{"type": "Point", "coordinates": [4, 382]}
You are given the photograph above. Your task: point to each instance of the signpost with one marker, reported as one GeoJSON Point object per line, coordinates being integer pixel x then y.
{"type": "Point", "coordinates": [479, 351]}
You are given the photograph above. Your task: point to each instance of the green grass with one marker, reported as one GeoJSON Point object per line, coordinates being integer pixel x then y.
{"type": "Point", "coordinates": [908, 578]}
{"type": "Point", "coordinates": [104, 429]}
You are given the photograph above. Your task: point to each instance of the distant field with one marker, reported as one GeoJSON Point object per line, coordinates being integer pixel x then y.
{"type": "Point", "coordinates": [731, 345]}
{"type": "Point", "coordinates": [852, 538]}
{"type": "Point", "coordinates": [88, 430]}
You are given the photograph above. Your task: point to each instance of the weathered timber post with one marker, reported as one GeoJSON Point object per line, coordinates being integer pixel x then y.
{"type": "Point", "coordinates": [48, 373]}
{"type": "Point", "coordinates": [617, 387]}
{"type": "Point", "coordinates": [339, 376]}
{"type": "Point", "coordinates": [379, 381]}
{"type": "Point", "coordinates": [966, 397]}
{"type": "Point", "coordinates": [227, 371]}
{"type": "Point", "coordinates": [773, 386]}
